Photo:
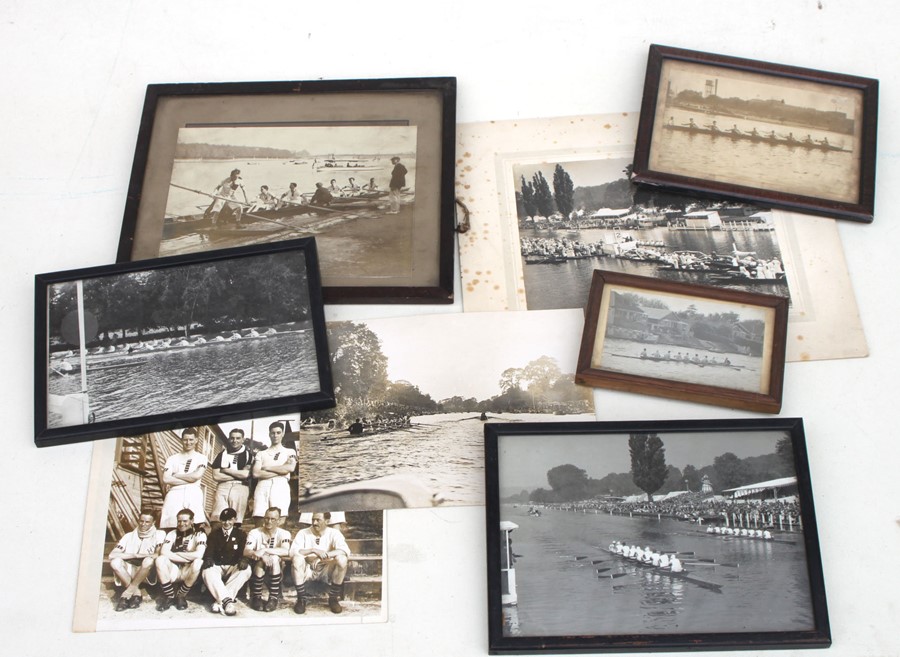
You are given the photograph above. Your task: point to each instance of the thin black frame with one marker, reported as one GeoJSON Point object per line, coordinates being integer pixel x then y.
{"type": "Point", "coordinates": [817, 637]}
{"type": "Point", "coordinates": [323, 398]}
{"type": "Point", "coordinates": [445, 87]}
{"type": "Point", "coordinates": [862, 210]}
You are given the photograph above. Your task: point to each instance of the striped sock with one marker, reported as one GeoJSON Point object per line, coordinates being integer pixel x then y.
{"type": "Point", "coordinates": [256, 586]}
{"type": "Point", "coordinates": [183, 590]}
{"type": "Point", "coordinates": [227, 601]}
{"type": "Point", "coordinates": [275, 585]}
{"type": "Point", "coordinates": [168, 590]}
{"type": "Point", "coordinates": [301, 590]}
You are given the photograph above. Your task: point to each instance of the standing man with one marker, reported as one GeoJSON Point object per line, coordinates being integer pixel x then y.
{"type": "Point", "coordinates": [226, 194]}
{"type": "Point", "coordinates": [265, 548]}
{"type": "Point", "coordinates": [133, 558]}
{"type": "Point", "coordinates": [231, 471]}
{"type": "Point", "coordinates": [320, 552]}
{"type": "Point", "coordinates": [225, 569]}
{"type": "Point", "coordinates": [180, 561]}
{"type": "Point", "coordinates": [398, 182]}
{"type": "Point", "coordinates": [272, 470]}
{"type": "Point", "coordinates": [182, 474]}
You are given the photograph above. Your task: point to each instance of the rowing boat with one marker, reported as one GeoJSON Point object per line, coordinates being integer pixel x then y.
{"type": "Point", "coordinates": [748, 538]}
{"type": "Point", "coordinates": [684, 575]}
{"type": "Point", "coordinates": [756, 138]}
{"type": "Point", "coordinates": [684, 361]}
{"type": "Point", "coordinates": [195, 223]}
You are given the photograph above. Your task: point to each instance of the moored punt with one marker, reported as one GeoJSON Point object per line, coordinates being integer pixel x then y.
{"type": "Point", "coordinates": [683, 575]}
{"type": "Point", "coordinates": [758, 137]}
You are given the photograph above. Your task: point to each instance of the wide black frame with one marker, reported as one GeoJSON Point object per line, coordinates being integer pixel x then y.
{"type": "Point", "coordinates": [323, 398]}
{"type": "Point", "coordinates": [241, 101]}
{"type": "Point", "coordinates": [861, 210]}
{"type": "Point", "coordinates": [817, 637]}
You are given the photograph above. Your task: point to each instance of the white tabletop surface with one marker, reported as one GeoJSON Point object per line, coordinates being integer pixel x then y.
{"type": "Point", "coordinates": [74, 76]}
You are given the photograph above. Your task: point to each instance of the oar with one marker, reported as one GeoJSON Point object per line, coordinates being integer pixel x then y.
{"type": "Point", "coordinates": [612, 576]}
{"type": "Point", "coordinates": [603, 570]}
{"type": "Point", "coordinates": [580, 558]}
{"type": "Point", "coordinates": [231, 200]}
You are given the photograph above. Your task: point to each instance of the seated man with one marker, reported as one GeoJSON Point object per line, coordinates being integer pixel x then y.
{"type": "Point", "coordinates": [133, 557]}
{"type": "Point", "coordinates": [265, 548]}
{"type": "Point", "coordinates": [180, 561]}
{"type": "Point", "coordinates": [225, 569]}
{"type": "Point", "coordinates": [320, 552]}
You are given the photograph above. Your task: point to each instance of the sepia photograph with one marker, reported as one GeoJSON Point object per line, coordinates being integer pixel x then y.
{"type": "Point", "coordinates": [672, 339]}
{"type": "Point", "coordinates": [365, 166]}
{"type": "Point", "coordinates": [200, 527]}
{"type": "Point", "coordinates": [792, 134]}
{"type": "Point", "coordinates": [577, 215]}
{"type": "Point", "coordinates": [154, 343]}
{"type": "Point", "coordinates": [652, 535]}
{"type": "Point", "coordinates": [408, 427]}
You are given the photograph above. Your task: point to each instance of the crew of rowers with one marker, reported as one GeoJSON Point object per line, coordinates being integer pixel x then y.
{"type": "Point", "coordinates": [647, 555]}
{"type": "Point", "coordinates": [743, 532]}
{"type": "Point", "coordinates": [754, 133]}
{"type": "Point", "coordinates": [322, 196]}
{"type": "Point", "coordinates": [687, 358]}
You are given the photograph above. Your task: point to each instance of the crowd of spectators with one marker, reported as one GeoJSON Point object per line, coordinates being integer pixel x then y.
{"type": "Point", "coordinates": [702, 508]}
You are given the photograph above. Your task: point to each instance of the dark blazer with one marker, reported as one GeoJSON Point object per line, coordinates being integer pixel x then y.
{"type": "Point", "coordinates": [221, 551]}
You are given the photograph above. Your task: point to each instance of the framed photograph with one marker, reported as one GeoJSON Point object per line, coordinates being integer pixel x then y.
{"type": "Point", "coordinates": [366, 166]}
{"type": "Point", "coordinates": [772, 134]}
{"type": "Point", "coordinates": [684, 341]}
{"type": "Point", "coordinates": [179, 341]}
{"type": "Point", "coordinates": [652, 536]}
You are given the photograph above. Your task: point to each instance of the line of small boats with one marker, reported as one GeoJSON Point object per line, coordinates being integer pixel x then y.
{"type": "Point", "coordinates": [755, 136]}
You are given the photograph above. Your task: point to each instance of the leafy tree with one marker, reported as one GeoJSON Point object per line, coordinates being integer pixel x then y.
{"type": "Point", "coordinates": [692, 478]}
{"type": "Point", "coordinates": [563, 190]}
{"type": "Point", "coordinates": [404, 397]}
{"type": "Point", "coordinates": [358, 366]}
{"type": "Point", "coordinates": [543, 198]}
{"type": "Point", "coordinates": [648, 462]}
{"type": "Point", "coordinates": [568, 482]}
{"type": "Point", "coordinates": [784, 448]}
{"type": "Point", "coordinates": [528, 198]}
{"type": "Point", "coordinates": [730, 471]}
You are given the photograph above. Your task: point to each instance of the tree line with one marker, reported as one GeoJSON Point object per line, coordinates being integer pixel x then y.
{"type": "Point", "coordinates": [650, 474]}
{"type": "Point", "coordinates": [195, 151]}
{"type": "Point", "coordinates": [362, 386]}
{"type": "Point", "coordinates": [186, 300]}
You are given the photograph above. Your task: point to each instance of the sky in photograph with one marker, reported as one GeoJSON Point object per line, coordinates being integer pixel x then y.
{"type": "Point", "coordinates": [525, 460]}
{"type": "Point", "coordinates": [464, 354]}
{"type": "Point", "coordinates": [584, 173]}
{"type": "Point", "coordinates": [316, 140]}
{"type": "Point", "coordinates": [752, 86]}
{"type": "Point", "coordinates": [259, 428]}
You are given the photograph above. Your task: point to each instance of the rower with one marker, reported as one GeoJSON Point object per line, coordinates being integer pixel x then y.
{"type": "Point", "coordinates": [767, 535]}
{"type": "Point", "coordinates": [664, 560]}
{"type": "Point", "coordinates": [655, 558]}
{"type": "Point", "coordinates": [675, 564]}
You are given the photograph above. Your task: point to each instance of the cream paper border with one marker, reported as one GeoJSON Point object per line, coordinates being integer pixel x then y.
{"type": "Point", "coordinates": [823, 322]}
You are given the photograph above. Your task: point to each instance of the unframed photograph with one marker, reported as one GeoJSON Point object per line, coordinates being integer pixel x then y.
{"type": "Point", "coordinates": [236, 477]}
{"type": "Point", "coordinates": [408, 427]}
{"type": "Point", "coordinates": [660, 535]}
{"type": "Point", "coordinates": [577, 215]}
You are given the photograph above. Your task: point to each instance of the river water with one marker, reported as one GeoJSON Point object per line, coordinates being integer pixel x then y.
{"type": "Point", "coordinates": [445, 452]}
{"type": "Point", "coordinates": [562, 594]}
{"type": "Point", "coordinates": [744, 373]}
{"type": "Point", "coordinates": [210, 375]}
{"type": "Point", "coordinates": [566, 284]}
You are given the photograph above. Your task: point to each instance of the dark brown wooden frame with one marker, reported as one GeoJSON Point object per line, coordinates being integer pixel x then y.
{"type": "Point", "coordinates": [242, 102]}
{"type": "Point", "coordinates": [861, 210]}
{"type": "Point", "coordinates": [129, 426]}
{"type": "Point", "coordinates": [498, 643]}
{"type": "Point", "coordinates": [586, 374]}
